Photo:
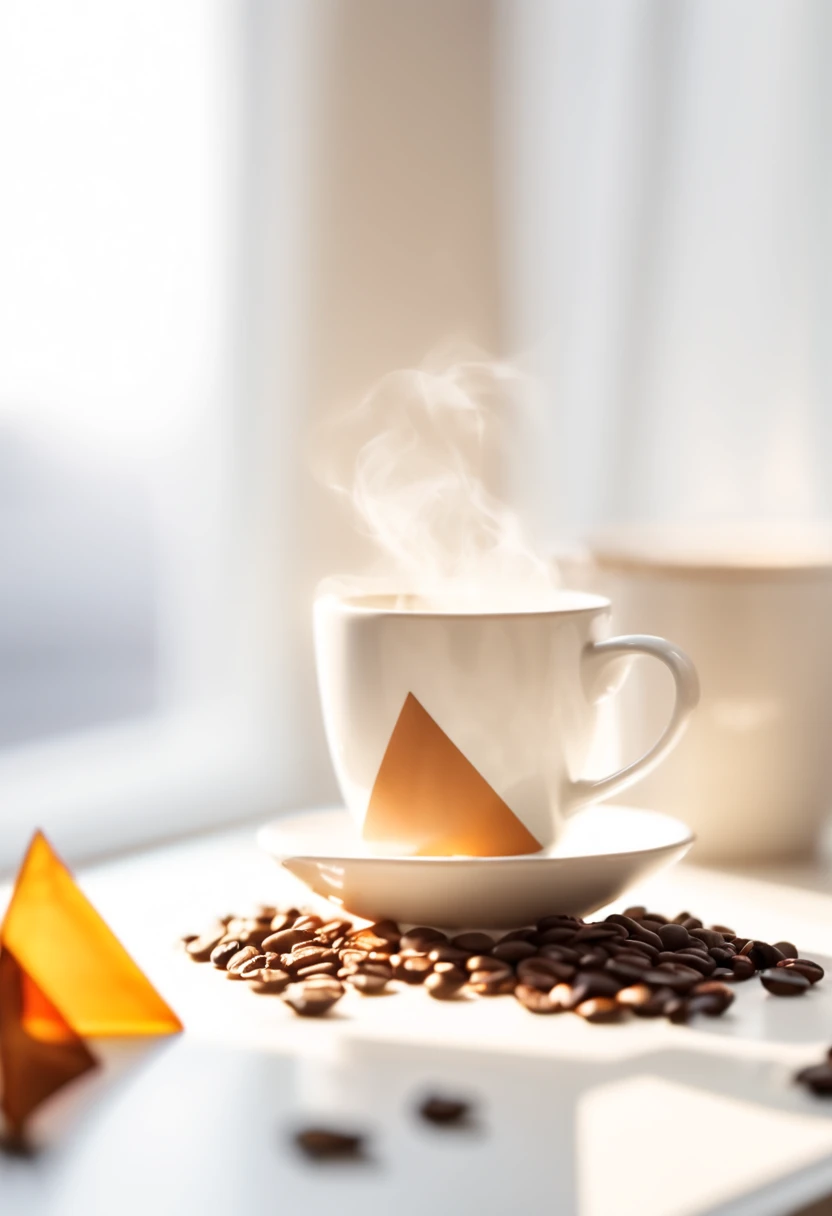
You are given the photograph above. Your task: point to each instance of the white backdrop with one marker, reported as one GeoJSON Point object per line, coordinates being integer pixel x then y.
{"type": "Point", "coordinates": [666, 190]}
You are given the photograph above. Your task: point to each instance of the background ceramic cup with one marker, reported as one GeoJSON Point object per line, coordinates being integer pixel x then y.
{"type": "Point", "coordinates": [517, 693]}
{"type": "Point", "coordinates": [753, 776]}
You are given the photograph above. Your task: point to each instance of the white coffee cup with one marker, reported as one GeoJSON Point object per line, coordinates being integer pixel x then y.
{"type": "Point", "coordinates": [516, 692]}
{"type": "Point", "coordinates": [753, 608]}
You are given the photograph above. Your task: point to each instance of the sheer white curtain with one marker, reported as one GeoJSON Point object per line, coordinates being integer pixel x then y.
{"type": "Point", "coordinates": [666, 191]}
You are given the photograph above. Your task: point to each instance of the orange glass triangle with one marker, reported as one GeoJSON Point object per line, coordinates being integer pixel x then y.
{"type": "Point", "coordinates": [73, 958]}
{"type": "Point", "coordinates": [39, 1050]}
{"type": "Point", "coordinates": [430, 800]}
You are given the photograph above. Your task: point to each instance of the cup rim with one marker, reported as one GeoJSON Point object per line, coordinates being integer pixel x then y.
{"type": "Point", "coordinates": [360, 604]}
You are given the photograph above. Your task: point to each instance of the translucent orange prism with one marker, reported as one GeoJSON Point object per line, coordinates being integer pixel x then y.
{"type": "Point", "coordinates": [429, 800]}
{"type": "Point", "coordinates": [39, 1050]}
{"type": "Point", "coordinates": [73, 958]}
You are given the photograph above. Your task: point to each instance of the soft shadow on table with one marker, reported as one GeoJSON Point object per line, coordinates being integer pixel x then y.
{"type": "Point", "coordinates": [197, 1127]}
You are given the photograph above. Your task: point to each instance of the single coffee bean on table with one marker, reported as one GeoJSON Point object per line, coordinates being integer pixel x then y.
{"type": "Point", "coordinates": [445, 1112]}
{"type": "Point", "coordinates": [784, 981]}
{"type": "Point", "coordinates": [313, 997]}
{"type": "Point", "coordinates": [804, 966]}
{"type": "Point", "coordinates": [325, 1144]}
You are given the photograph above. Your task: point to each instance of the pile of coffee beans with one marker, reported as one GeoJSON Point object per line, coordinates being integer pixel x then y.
{"type": "Point", "coordinates": [636, 963]}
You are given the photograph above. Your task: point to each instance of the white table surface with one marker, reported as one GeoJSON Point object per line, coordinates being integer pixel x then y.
{"type": "Point", "coordinates": [643, 1118]}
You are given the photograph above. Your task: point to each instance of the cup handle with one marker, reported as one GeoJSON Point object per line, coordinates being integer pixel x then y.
{"type": "Point", "coordinates": [596, 656]}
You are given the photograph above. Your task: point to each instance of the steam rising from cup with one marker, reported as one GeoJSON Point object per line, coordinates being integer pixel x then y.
{"type": "Point", "coordinates": [410, 460]}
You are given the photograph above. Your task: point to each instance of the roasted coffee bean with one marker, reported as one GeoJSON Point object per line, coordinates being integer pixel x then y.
{"type": "Point", "coordinates": [657, 1005]}
{"type": "Point", "coordinates": [313, 997]}
{"type": "Point", "coordinates": [557, 922]}
{"type": "Point", "coordinates": [448, 954]}
{"type": "Point", "coordinates": [674, 937]}
{"type": "Point", "coordinates": [186, 938]}
{"type": "Point", "coordinates": [787, 949]}
{"type": "Point", "coordinates": [366, 940]}
{"type": "Point", "coordinates": [784, 981]}
{"type": "Point", "coordinates": [629, 923]}
{"type": "Point", "coordinates": [201, 948]}
{"type": "Point", "coordinates": [563, 954]}
{"type": "Point", "coordinates": [762, 954]}
{"type": "Point", "coordinates": [636, 912]}
{"type": "Point", "coordinates": [484, 962]}
{"type": "Point", "coordinates": [283, 920]}
{"type": "Point", "coordinates": [723, 973]}
{"type": "Point", "coordinates": [634, 958]}
{"type": "Point", "coordinates": [267, 981]}
{"type": "Point", "coordinates": [350, 957]}
{"type": "Point", "coordinates": [223, 953]}
{"type": "Point", "coordinates": [411, 970]}
{"type": "Point", "coordinates": [322, 1144]}
{"type": "Point", "coordinates": [333, 929]}
{"type": "Point", "coordinates": [691, 922]}
{"type": "Point", "coordinates": [624, 972]}
{"type": "Point", "coordinates": [805, 966]}
{"type": "Point", "coordinates": [256, 963]}
{"type": "Point", "coordinates": [239, 959]}
{"type": "Point", "coordinates": [721, 956]}
{"type": "Point", "coordinates": [308, 953]}
{"type": "Point", "coordinates": [818, 1078]}
{"type": "Point", "coordinates": [555, 937]}
{"type": "Point", "coordinates": [637, 946]}
{"type": "Point", "coordinates": [535, 1000]}
{"type": "Point", "coordinates": [543, 973]}
{"type": "Point", "coordinates": [708, 937]}
{"type": "Point", "coordinates": [634, 995]}
{"type": "Point", "coordinates": [517, 935]}
{"type": "Point", "coordinates": [699, 962]}
{"type": "Point", "coordinates": [599, 933]}
{"type": "Point", "coordinates": [593, 960]}
{"type": "Point", "coordinates": [475, 943]}
{"type": "Point", "coordinates": [286, 939]}
{"type": "Point", "coordinates": [720, 994]}
{"type": "Point", "coordinates": [368, 985]}
{"type": "Point", "coordinates": [599, 1009]}
{"type": "Point", "coordinates": [648, 937]}
{"type": "Point", "coordinates": [305, 973]}
{"type": "Point", "coordinates": [678, 977]}
{"type": "Point", "coordinates": [492, 983]}
{"type": "Point", "coordinates": [677, 1009]}
{"type": "Point", "coordinates": [311, 922]}
{"type": "Point", "coordinates": [444, 1111]}
{"type": "Point", "coordinates": [742, 967]}
{"type": "Point", "coordinates": [728, 934]}
{"type": "Point", "coordinates": [380, 969]}
{"type": "Point", "coordinates": [707, 1002]}
{"type": "Point", "coordinates": [513, 952]}
{"type": "Point", "coordinates": [446, 984]}
{"type": "Point", "coordinates": [422, 938]}
{"type": "Point", "coordinates": [588, 984]}
{"type": "Point", "coordinates": [562, 996]}
{"type": "Point", "coordinates": [658, 917]}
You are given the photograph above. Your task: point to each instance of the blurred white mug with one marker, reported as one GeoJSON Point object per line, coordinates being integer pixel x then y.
{"type": "Point", "coordinates": [753, 775]}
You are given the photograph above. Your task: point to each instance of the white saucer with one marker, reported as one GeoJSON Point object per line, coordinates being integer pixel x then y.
{"type": "Point", "coordinates": [603, 851]}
